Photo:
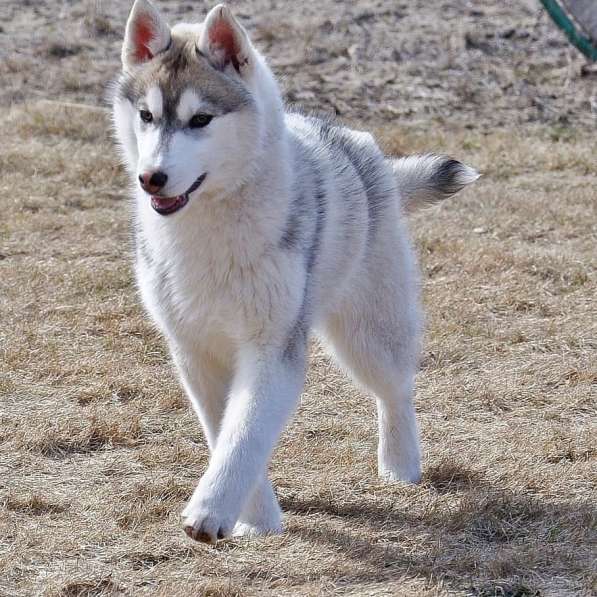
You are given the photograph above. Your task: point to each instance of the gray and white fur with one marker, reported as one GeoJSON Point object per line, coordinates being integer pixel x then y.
{"type": "Point", "coordinates": [256, 228]}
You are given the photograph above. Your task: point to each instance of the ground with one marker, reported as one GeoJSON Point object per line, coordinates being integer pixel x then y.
{"type": "Point", "coordinates": [98, 448]}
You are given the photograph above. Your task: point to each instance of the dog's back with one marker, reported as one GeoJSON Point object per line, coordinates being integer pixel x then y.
{"type": "Point", "coordinates": [343, 196]}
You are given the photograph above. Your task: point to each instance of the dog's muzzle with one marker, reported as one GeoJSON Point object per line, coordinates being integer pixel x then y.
{"type": "Point", "coordinates": [168, 205]}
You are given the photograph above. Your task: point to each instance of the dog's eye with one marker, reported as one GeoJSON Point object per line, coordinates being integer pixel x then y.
{"type": "Point", "coordinates": [145, 115]}
{"type": "Point", "coordinates": [200, 120]}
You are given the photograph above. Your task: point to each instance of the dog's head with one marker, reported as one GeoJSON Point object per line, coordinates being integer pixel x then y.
{"type": "Point", "coordinates": [191, 107]}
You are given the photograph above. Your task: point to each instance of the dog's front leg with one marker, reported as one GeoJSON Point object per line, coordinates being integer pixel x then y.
{"type": "Point", "coordinates": [263, 396]}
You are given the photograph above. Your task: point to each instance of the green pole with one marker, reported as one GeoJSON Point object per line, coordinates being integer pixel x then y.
{"type": "Point", "coordinates": [561, 19]}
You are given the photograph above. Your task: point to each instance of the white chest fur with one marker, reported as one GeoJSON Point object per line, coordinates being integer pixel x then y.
{"type": "Point", "coordinates": [216, 276]}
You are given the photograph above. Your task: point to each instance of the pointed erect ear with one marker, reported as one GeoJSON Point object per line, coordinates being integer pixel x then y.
{"type": "Point", "coordinates": [147, 34]}
{"type": "Point", "coordinates": [224, 41]}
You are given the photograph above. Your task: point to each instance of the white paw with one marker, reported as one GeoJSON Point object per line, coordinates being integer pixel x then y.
{"type": "Point", "coordinates": [206, 524]}
{"type": "Point", "coordinates": [244, 529]}
{"type": "Point", "coordinates": [408, 472]}
{"type": "Point", "coordinates": [408, 476]}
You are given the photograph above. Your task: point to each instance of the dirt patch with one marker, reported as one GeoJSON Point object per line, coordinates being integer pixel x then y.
{"type": "Point", "coordinates": [454, 64]}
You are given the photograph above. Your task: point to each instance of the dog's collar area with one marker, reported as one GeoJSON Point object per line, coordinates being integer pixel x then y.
{"type": "Point", "coordinates": [168, 205]}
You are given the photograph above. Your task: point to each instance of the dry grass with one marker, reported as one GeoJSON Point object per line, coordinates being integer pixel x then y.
{"type": "Point", "coordinates": [99, 451]}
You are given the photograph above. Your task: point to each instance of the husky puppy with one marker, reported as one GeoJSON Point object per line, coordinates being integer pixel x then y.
{"type": "Point", "coordinates": [254, 227]}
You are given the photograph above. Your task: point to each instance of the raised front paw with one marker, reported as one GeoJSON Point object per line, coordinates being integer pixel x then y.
{"type": "Point", "coordinates": [206, 525]}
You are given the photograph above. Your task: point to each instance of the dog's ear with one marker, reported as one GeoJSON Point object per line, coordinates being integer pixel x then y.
{"type": "Point", "coordinates": [146, 35]}
{"type": "Point", "coordinates": [224, 41]}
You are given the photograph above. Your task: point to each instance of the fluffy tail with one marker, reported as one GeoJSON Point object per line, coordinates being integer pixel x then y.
{"type": "Point", "coordinates": [427, 179]}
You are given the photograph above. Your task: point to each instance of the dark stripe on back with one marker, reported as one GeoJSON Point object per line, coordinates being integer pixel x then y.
{"type": "Point", "coordinates": [320, 210]}
{"type": "Point", "coordinates": [366, 165]}
{"type": "Point", "coordinates": [297, 339]}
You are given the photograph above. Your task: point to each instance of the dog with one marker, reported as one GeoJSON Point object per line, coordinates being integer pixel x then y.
{"type": "Point", "coordinates": [256, 226]}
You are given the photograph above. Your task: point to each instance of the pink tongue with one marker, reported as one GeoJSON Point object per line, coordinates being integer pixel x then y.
{"type": "Point", "coordinates": [164, 202]}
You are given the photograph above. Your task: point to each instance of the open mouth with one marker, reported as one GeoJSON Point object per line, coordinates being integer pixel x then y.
{"type": "Point", "coordinates": [168, 205]}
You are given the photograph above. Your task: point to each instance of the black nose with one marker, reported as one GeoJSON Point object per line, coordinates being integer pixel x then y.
{"type": "Point", "coordinates": [158, 179]}
{"type": "Point", "coordinates": [152, 182]}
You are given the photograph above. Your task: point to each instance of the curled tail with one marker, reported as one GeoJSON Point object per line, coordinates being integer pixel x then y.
{"type": "Point", "coordinates": [426, 179]}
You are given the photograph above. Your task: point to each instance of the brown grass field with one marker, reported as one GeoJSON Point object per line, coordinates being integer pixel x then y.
{"type": "Point", "coordinates": [99, 450]}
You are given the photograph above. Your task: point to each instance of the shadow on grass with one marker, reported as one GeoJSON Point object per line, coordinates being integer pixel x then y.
{"type": "Point", "coordinates": [486, 540]}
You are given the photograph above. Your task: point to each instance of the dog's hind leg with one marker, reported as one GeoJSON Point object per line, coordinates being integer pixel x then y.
{"type": "Point", "coordinates": [384, 367]}
{"type": "Point", "coordinates": [375, 337]}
